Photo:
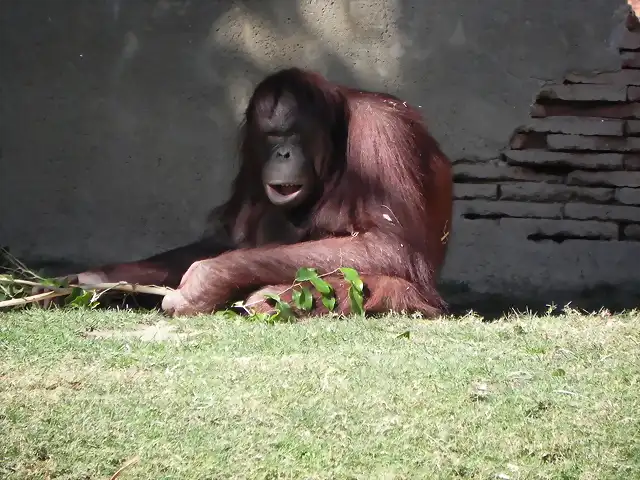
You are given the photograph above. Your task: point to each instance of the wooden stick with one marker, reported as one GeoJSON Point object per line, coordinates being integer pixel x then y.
{"type": "Point", "coordinates": [126, 287]}
{"type": "Point", "coordinates": [5, 279]}
{"type": "Point", "coordinates": [127, 464]}
{"type": "Point", "coordinates": [121, 286]}
{"type": "Point", "coordinates": [14, 302]}
{"type": "Point", "coordinates": [60, 291]}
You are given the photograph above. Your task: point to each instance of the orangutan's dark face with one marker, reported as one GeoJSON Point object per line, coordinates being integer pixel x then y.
{"type": "Point", "coordinates": [288, 173]}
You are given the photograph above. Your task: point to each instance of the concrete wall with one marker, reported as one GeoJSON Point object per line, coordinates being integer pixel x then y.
{"type": "Point", "coordinates": [117, 122]}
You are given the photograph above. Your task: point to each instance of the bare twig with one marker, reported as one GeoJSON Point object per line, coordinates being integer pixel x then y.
{"type": "Point", "coordinates": [54, 291]}
{"type": "Point", "coordinates": [30, 283]}
{"type": "Point", "coordinates": [567, 392]}
{"type": "Point", "coordinates": [61, 291]}
{"type": "Point", "coordinates": [126, 464]}
{"type": "Point", "coordinates": [445, 233]}
{"type": "Point", "coordinates": [126, 287]}
{"type": "Point", "coordinates": [14, 302]}
{"type": "Point", "coordinates": [121, 286]}
{"type": "Point", "coordinates": [18, 266]}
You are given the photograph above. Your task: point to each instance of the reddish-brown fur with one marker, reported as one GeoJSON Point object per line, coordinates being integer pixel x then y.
{"type": "Point", "coordinates": [385, 208]}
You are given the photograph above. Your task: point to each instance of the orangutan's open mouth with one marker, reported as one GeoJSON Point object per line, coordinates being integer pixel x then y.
{"type": "Point", "coordinates": [285, 189]}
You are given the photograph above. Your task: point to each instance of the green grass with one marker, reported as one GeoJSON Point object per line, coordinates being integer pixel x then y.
{"type": "Point", "coordinates": [522, 398]}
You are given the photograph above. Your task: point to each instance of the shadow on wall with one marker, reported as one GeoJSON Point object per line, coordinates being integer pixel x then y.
{"type": "Point", "coordinates": [123, 114]}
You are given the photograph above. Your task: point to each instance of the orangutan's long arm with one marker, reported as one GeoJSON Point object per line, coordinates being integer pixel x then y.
{"type": "Point", "coordinates": [209, 284]}
{"type": "Point", "coordinates": [165, 268]}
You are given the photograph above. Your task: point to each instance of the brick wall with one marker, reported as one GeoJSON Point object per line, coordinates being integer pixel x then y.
{"type": "Point", "coordinates": [574, 168]}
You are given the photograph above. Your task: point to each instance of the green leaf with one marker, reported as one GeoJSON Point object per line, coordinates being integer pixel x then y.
{"type": "Point", "coordinates": [329, 302]}
{"type": "Point", "coordinates": [284, 313]}
{"type": "Point", "coordinates": [80, 298]}
{"type": "Point", "coordinates": [260, 317]}
{"type": "Point", "coordinates": [311, 275]}
{"type": "Point", "coordinates": [405, 334]}
{"type": "Point", "coordinates": [351, 276]}
{"type": "Point", "coordinates": [75, 293]}
{"type": "Point", "coordinates": [50, 282]}
{"type": "Point", "coordinates": [230, 314]}
{"type": "Point", "coordinates": [323, 287]}
{"type": "Point", "coordinates": [15, 290]}
{"type": "Point", "coordinates": [356, 301]}
{"type": "Point", "coordinates": [296, 297]}
{"type": "Point", "coordinates": [303, 299]}
{"type": "Point", "coordinates": [60, 282]}
{"type": "Point", "coordinates": [273, 296]}
{"type": "Point", "coordinates": [306, 274]}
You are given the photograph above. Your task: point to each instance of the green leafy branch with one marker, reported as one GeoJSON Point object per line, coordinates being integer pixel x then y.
{"type": "Point", "coordinates": [13, 291]}
{"type": "Point", "coordinates": [18, 284]}
{"type": "Point", "coordinates": [303, 299]}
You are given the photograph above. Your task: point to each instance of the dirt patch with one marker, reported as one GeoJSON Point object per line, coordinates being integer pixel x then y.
{"type": "Point", "coordinates": [160, 332]}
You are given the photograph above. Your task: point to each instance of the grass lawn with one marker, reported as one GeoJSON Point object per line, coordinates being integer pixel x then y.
{"type": "Point", "coordinates": [524, 397]}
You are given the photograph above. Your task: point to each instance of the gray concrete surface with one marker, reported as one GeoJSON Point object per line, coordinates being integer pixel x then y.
{"type": "Point", "coordinates": [118, 117]}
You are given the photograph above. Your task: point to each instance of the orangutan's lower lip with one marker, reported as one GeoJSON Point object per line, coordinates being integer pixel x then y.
{"type": "Point", "coordinates": [285, 189]}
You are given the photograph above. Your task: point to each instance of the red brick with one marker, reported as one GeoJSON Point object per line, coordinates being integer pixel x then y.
{"type": "Point", "coordinates": [575, 125]}
{"type": "Point", "coordinates": [590, 211]}
{"type": "Point", "coordinates": [623, 110]}
{"type": "Point", "coordinates": [632, 162]}
{"type": "Point", "coordinates": [632, 231]}
{"type": "Point", "coordinates": [595, 143]}
{"type": "Point", "coordinates": [462, 191]}
{"type": "Point", "coordinates": [587, 161]}
{"type": "Point", "coordinates": [606, 179]}
{"type": "Point", "coordinates": [632, 127]}
{"type": "Point", "coordinates": [518, 141]}
{"type": "Point", "coordinates": [633, 93]}
{"type": "Point", "coordinates": [522, 141]}
{"type": "Point", "coordinates": [538, 229]}
{"type": "Point", "coordinates": [604, 93]}
{"type": "Point", "coordinates": [628, 196]}
{"type": "Point", "coordinates": [487, 208]}
{"type": "Point", "coordinates": [622, 77]}
{"type": "Point", "coordinates": [629, 41]}
{"type": "Point", "coordinates": [493, 172]}
{"type": "Point", "coordinates": [547, 192]}
{"type": "Point", "coordinates": [631, 59]}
